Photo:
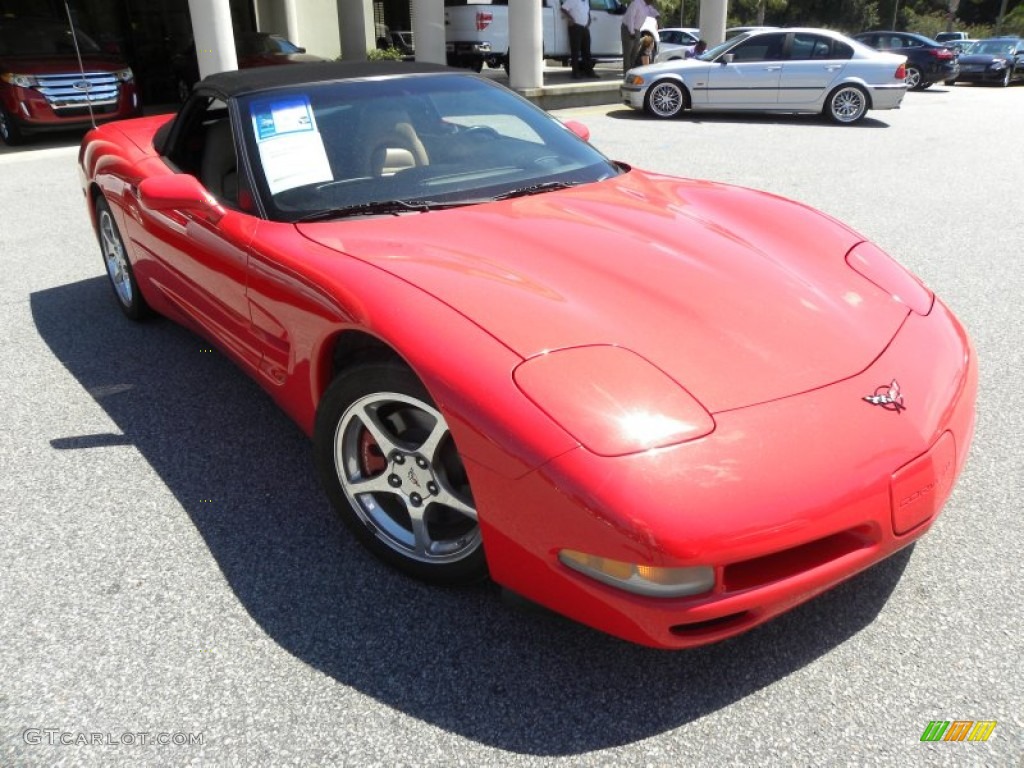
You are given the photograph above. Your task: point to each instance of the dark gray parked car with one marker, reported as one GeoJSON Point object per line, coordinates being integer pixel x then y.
{"type": "Point", "coordinates": [996, 60]}
{"type": "Point", "coordinates": [928, 62]}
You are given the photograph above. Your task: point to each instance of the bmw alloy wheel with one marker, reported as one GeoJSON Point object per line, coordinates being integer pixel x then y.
{"type": "Point", "coordinates": [666, 98]}
{"type": "Point", "coordinates": [847, 105]}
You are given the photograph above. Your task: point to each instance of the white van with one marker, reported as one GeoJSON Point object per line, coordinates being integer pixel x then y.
{"type": "Point", "coordinates": [476, 31]}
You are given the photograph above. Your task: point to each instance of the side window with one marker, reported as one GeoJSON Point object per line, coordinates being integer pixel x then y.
{"type": "Point", "coordinates": [806, 47]}
{"type": "Point", "coordinates": [760, 48]}
{"type": "Point", "coordinates": [205, 148]}
{"type": "Point", "coordinates": [841, 50]}
{"type": "Point", "coordinates": [911, 42]}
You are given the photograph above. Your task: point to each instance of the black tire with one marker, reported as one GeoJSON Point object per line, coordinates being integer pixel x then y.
{"type": "Point", "coordinates": [391, 469]}
{"type": "Point", "coordinates": [951, 82]}
{"type": "Point", "coordinates": [477, 65]}
{"type": "Point", "coordinates": [914, 79]}
{"type": "Point", "coordinates": [846, 105]}
{"type": "Point", "coordinates": [10, 131]}
{"type": "Point", "coordinates": [118, 265]}
{"type": "Point", "coordinates": [666, 99]}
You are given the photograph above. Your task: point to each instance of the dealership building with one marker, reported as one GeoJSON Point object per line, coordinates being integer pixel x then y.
{"type": "Point", "coordinates": [151, 33]}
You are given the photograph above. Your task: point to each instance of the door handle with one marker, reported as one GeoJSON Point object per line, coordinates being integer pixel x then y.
{"type": "Point", "coordinates": [774, 68]}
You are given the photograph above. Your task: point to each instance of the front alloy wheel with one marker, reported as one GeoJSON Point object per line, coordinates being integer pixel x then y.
{"type": "Point", "coordinates": [10, 131]}
{"type": "Point", "coordinates": [389, 463]}
{"type": "Point", "coordinates": [119, 268]}
{"type": "Point", "coordinates": [666, 98]}
{"type": "Point", "coordinates": [847, 105]}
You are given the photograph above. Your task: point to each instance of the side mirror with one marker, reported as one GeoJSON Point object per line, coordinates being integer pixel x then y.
{"type": "Point", "coordinates": [727, 58]}
{"type": "Point", "coordinates": [180, 192]}
{"type": "Point", "coordinates": [578, 128]}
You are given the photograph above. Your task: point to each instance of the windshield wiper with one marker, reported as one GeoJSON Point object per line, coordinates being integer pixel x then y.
{"type": "Point", "coordinates": [380, 207]}
{"type": "Point", "coordinates": [536, 189]}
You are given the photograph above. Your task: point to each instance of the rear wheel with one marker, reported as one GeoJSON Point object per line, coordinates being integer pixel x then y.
{"type": "Point", "coordinates": [666, 99]}
{"type": "Point", "coordinates": [10, 131]}
{"type": "Point", "coordinates": [951, 82]}
{"type": "Point", "coordinates": [846, 105]}
{"type": "Point", "coordinates": [119, 268]}
{"type": "Point", "coordinates": [913, 78]}
{"type": "Point", "coordinates": [392, 471]}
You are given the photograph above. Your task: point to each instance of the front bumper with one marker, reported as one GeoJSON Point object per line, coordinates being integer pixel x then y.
{"type": "Point", "coordinates": [35, 114]}
{"type": "Point", "coordinates": [983, 75]}
{"type": "Point", "coordinates": [785, 499]}
{"type": "Point", "coordinates": [633, 95]}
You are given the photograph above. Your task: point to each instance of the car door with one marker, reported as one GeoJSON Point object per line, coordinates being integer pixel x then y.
{"type": "Point", "coordinates": [751, 79]}
{"type": "Point", "coordinates": [200, 264]}
{"type": "Point", "coordinates": [813, 63]}
{"type": "Point", "coordinates": [605, 20]}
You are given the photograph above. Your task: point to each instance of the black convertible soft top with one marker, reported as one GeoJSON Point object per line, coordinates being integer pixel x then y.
{"type": "Point", "coordinates": [242, 81]}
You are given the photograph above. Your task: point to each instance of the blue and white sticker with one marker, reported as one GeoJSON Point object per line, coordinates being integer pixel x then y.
{"type": "Point", "coordinates": [290, 145]}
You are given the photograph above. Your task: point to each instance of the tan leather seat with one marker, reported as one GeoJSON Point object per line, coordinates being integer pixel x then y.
{"type": "Point", "coordinates": [390, 142]}
{"type": "Point", "coordinates": [219, 169]}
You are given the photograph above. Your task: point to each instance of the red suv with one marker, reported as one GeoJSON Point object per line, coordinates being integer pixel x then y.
{"type": "Point", "coordinates": [42, 87]}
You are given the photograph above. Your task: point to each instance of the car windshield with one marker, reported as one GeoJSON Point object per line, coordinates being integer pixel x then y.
{"type": "Point", "coordinates": [992, 48]}
{"type": "Point", "coordinates": [398, 144]}
{"type": "Point", "coordinates": [42, 39]}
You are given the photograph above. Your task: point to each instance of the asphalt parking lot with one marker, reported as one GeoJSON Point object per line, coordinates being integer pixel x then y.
{"type": "Point", "coordinates": [170, 570]}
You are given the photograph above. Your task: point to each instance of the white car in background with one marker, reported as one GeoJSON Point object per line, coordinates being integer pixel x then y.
{"type": "Point", "coordinates": [676, 43]}
{"type": "Point", "coordinates": [774, 70]}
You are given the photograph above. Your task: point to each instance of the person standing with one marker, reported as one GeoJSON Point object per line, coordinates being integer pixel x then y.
{"type": "Point", "coordinates": [632, 22]}
{"type": "Point", "coordinates": [577, 13]}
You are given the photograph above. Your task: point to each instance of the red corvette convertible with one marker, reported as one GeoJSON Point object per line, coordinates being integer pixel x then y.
{"type": "Point", "coordinates": [668, 408]}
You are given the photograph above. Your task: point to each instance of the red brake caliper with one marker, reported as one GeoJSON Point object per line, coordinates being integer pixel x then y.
{"type": "Point", "coordinates": [371, 458]}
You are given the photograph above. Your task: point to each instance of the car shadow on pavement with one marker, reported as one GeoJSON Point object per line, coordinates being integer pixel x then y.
{"type": "Point", "coordinates": [752, 118]}
{"type": "Point", "coordinates": [463, 660]}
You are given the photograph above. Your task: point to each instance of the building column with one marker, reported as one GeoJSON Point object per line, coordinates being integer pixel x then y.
{"type": "Point", "coordinates": [712, 21]}
{"type": "Point", "coordinates": [355, 24]}
{"type": "Point", "coordinates": [214, 36]}
{"type": "Point", "coordinates": [428, 30]}
{"type": "Point", "coordinates": [525, 44]}
{"type": "Point", "coordinates": [291, 21]}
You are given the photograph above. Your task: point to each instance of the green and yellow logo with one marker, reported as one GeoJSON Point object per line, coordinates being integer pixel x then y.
{"type": "Point", "coordinates": [958, 730]}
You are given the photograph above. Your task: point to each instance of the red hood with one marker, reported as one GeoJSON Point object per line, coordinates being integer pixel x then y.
{"type": "Point", "coordinates": [51, 65]}
{"type": "Point", "coordinates": [739, 296]}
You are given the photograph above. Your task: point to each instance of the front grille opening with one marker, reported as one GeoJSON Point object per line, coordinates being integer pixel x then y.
{"type": "Point", "coordinates": [748, 574]}
{"type": "Point", "coordinates": [698, 628]}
